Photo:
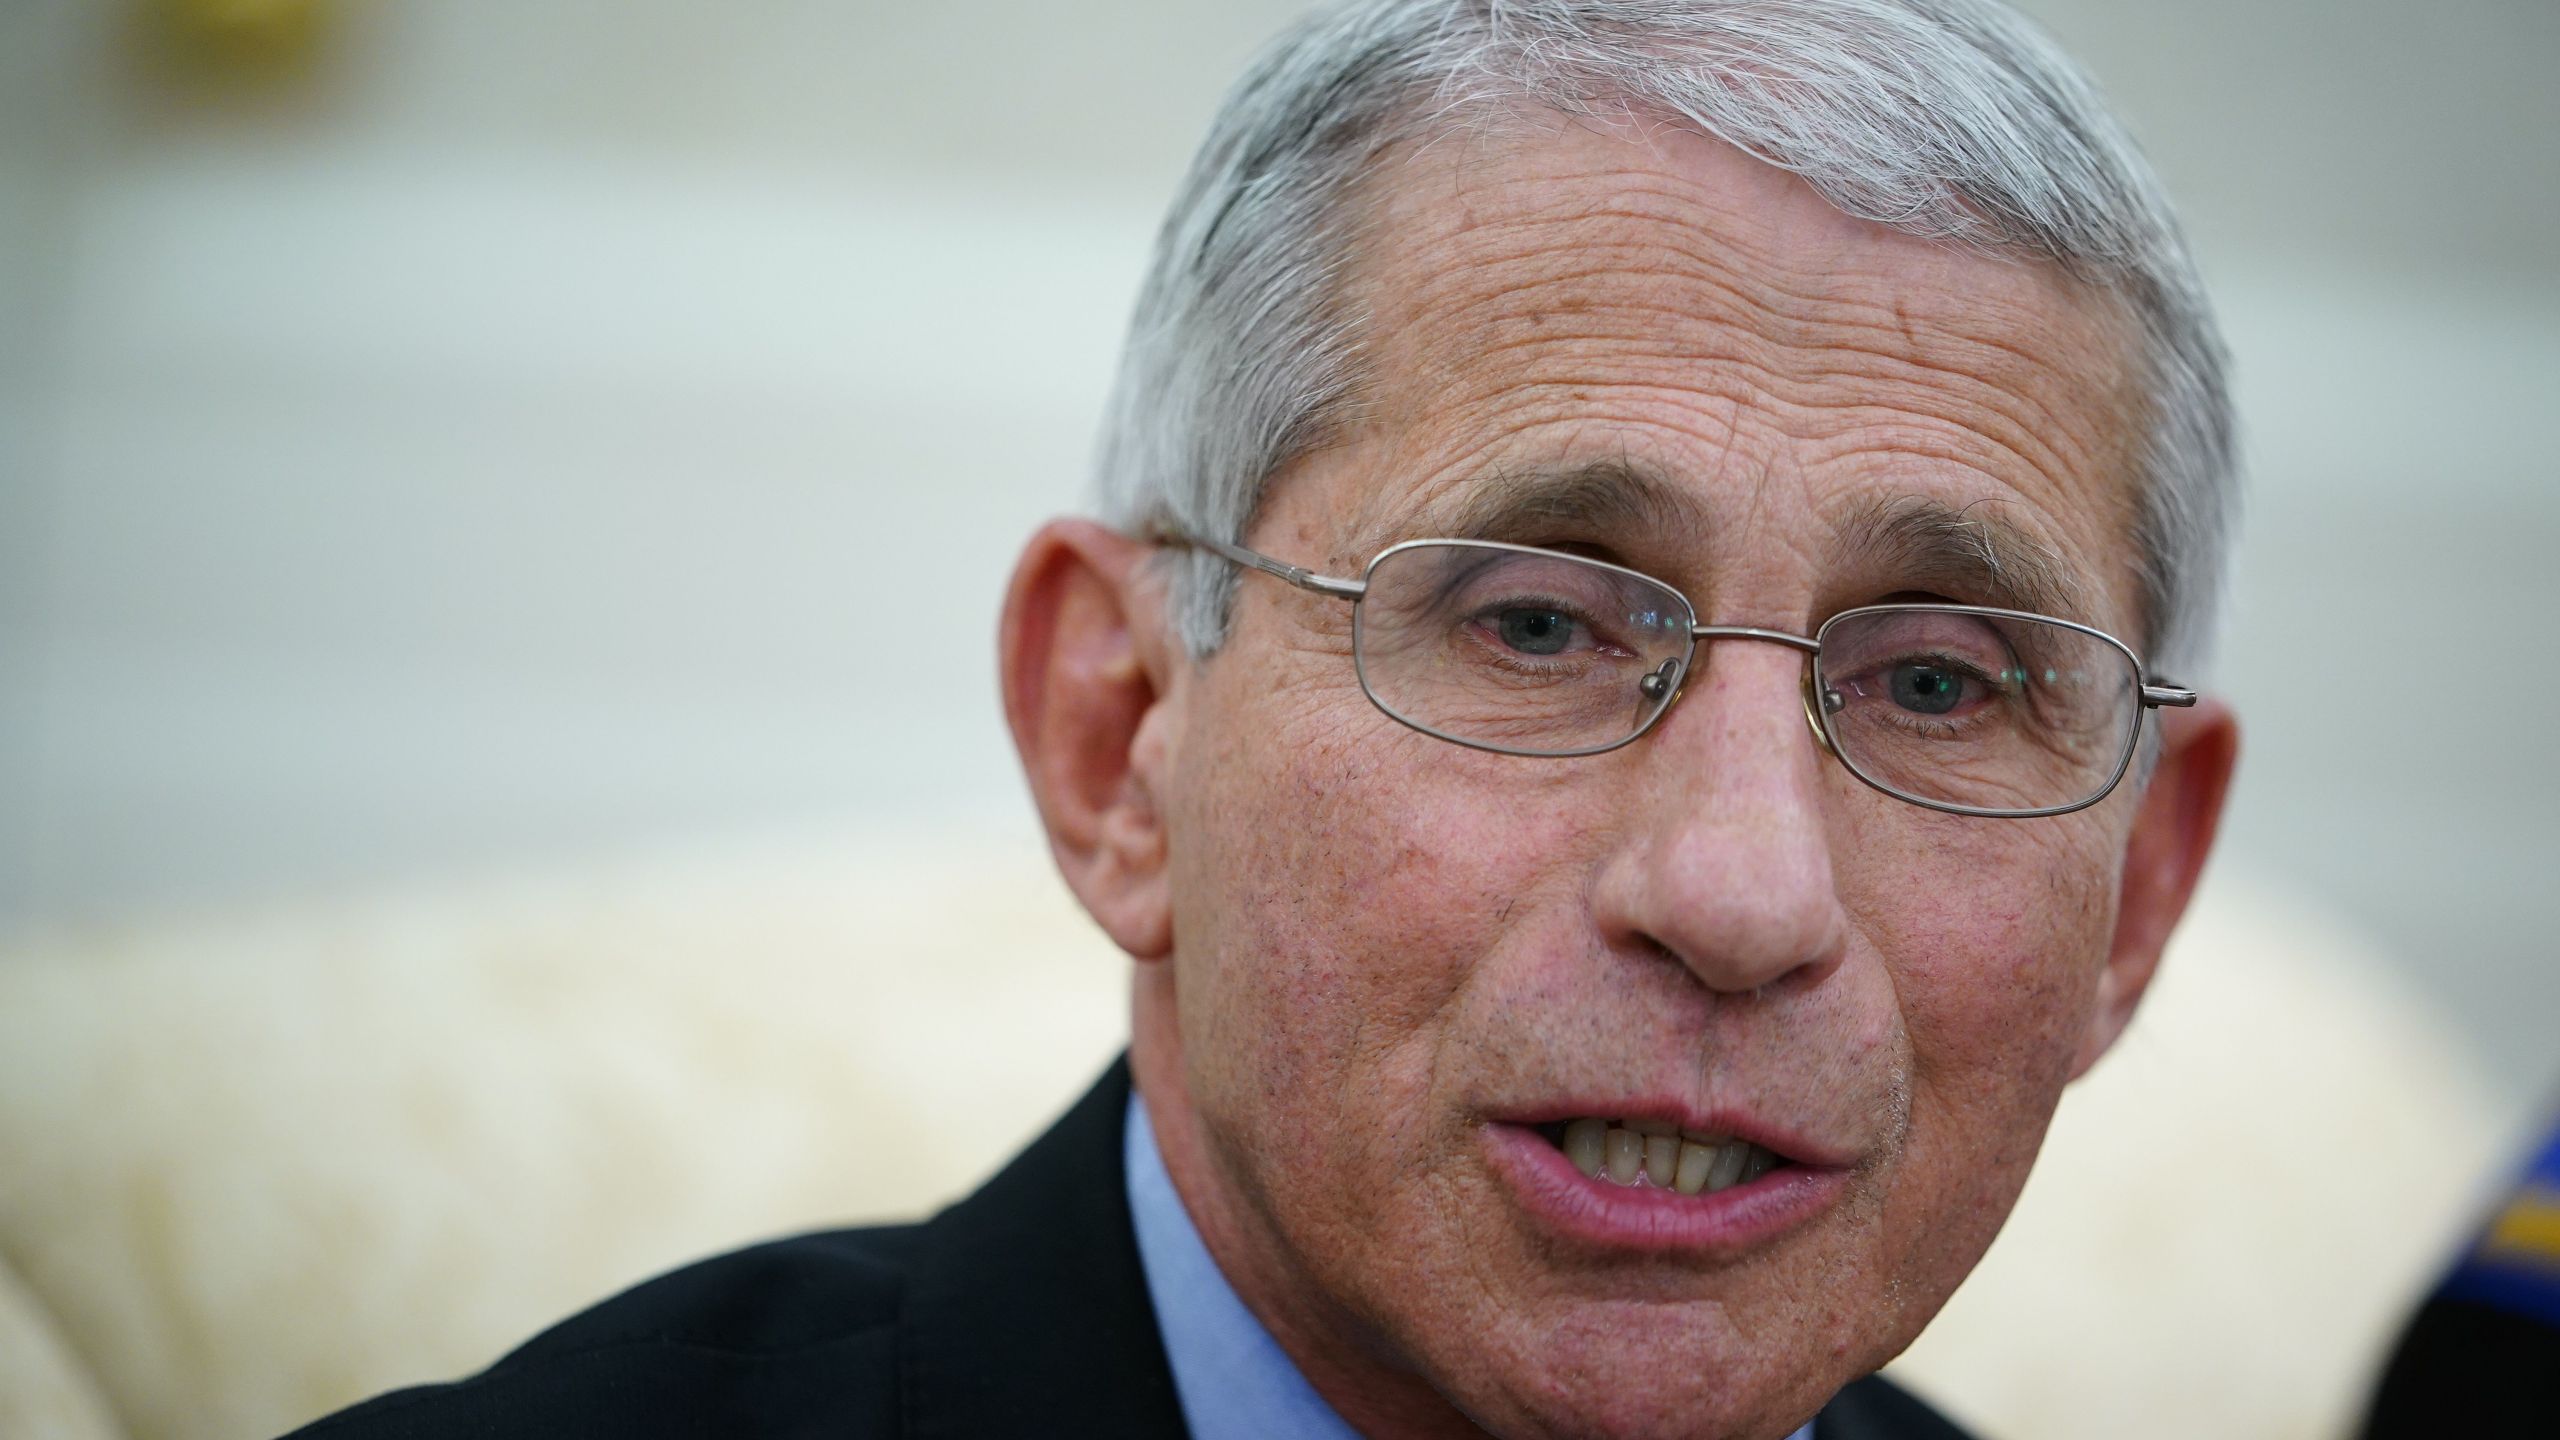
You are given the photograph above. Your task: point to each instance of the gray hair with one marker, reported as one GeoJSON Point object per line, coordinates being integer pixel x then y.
{"type": "Point", "coordinates": [1955, 120]}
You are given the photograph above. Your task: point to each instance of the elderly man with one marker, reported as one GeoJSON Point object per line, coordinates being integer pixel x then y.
{"type": "Point", "coordinates": [1619, 712]}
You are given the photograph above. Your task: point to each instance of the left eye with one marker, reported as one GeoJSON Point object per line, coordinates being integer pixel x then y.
{"type": "Point", "coordinates": [1535, 630]}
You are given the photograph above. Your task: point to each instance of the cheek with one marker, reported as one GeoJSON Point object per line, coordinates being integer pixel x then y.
{"type": "Point", "coordinates": [1995, 939]}
{"type": "Point", "coordinates": [1996, 932]}
{"type": "Point", "coordinates": [1344, 882]}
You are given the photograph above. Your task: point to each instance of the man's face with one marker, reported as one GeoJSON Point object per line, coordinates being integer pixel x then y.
{"type": "Point", "coordinates": [1398, 964]}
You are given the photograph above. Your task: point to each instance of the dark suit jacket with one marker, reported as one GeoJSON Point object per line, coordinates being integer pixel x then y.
{"type": "Point", "coordinates": [1020, 1312]}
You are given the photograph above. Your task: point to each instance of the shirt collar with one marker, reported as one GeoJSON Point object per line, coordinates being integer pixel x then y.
{"type": "Point", "coordinates": [1235, 1381]}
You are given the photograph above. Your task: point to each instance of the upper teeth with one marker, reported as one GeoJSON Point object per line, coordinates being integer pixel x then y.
{"type": "Point", "coordinates": [1639, 1152]}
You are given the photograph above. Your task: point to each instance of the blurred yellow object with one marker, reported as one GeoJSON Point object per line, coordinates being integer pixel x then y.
{"type": "Point", "coordinates": [245, 14]}
{"type": "Point", "coordinates": [2528, 1229]}
{"type": "Point", "coordinates": [234, 36]}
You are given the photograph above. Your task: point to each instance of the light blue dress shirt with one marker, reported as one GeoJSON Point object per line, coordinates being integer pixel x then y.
{"type": "Point", "coordinates": [1234, 1380]}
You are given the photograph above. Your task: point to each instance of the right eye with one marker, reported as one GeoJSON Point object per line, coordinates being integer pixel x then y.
{"type": "Point", "coordinates": [1535, 629]}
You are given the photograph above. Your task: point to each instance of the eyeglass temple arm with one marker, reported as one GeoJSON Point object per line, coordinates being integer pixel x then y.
{"type": "Point", "coordinates": [1255, 560]}
{"type": "Point", "coordinates": [2155, 696]}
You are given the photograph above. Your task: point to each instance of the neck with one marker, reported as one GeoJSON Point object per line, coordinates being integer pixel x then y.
{"type": "Point", "coordinates": [1347, 1360]}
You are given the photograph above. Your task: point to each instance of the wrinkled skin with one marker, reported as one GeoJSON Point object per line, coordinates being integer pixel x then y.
{"type": "Point", "coordinates": [1361, 944]}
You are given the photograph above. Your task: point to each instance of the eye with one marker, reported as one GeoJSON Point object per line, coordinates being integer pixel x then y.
{"type": "Point", "coordinates": [1534, 630]}
{"type": "Point", "coordinates": [1927, 687]}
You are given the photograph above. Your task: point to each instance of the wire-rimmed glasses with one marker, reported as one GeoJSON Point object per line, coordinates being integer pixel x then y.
{"type": "Point", "coordinates": [1523, 651]}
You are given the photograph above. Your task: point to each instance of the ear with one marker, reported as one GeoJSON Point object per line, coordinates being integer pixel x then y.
{"type": "Point", "coordinates": [1088, 677]}
{"type": "Point", "coordinates": [2172, 834]}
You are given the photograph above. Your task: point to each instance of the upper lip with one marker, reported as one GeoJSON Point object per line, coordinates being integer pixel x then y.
{"type": "Point", "coordinates": [1785, 1143]}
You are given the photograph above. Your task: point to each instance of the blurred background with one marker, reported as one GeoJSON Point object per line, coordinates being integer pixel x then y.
{"type": "Point", "coordinates": [458, 440]}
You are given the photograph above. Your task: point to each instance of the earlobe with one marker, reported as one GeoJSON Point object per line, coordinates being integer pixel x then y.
{"type": "Point", "coordinates": [2172, 833]}
{"type": "Point", "coordinates": [1088, 678]}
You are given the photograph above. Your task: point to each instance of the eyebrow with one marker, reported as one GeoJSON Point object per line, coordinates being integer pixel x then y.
{"type": "Point", "coordinates": [1968, 553]}
{"type": "Point", "coordinates": [1965, 552]}
{"type": "Point", "coordinates": [1602, 498]}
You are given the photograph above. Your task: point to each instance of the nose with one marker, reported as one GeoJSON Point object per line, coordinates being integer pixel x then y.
{"type": "Point", "coordinates": [1723, 858]}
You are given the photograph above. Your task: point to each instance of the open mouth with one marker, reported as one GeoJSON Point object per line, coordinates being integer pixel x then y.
{"type": "Point", "coordinates": [1654, 1154]}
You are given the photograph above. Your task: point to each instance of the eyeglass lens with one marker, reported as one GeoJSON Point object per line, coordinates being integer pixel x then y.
{"type": "Point", "coordinates": [1542, 653]}
{"type": "Point", "coordinates": [1517, 650]}
{"type": "Point", "coordinates": [1985, 711]}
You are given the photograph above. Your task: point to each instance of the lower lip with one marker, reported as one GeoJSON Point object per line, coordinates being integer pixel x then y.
{"type": "Point", "coordinates": [1643, 1218]}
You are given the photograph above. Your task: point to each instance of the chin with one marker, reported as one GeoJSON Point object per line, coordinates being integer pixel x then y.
{"type": "Point", "coordinates": [1617, 1371]}
{"type": "Point", "coordinates": [1628, 1408]}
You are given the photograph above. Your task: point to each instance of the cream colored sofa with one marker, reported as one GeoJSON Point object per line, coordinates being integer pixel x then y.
{"type": "Point", "coordinates": [255, 1166]}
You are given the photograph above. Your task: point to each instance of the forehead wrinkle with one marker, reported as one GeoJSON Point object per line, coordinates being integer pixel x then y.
{"type": "Point", "coordinates": [1504, 292]}
{"type": "Point", "coordinates": [1527, 336]}
{"type": "Point", "coordinates": [1647, 218]}
{"type": "Point", "coordinates": [1968, 548]}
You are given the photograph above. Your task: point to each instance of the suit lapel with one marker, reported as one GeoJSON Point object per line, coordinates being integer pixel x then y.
{"type": "Point", "coordinates": [1027, 1312]}
{"type": "Point", "coordinates": [1876, 1409]}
